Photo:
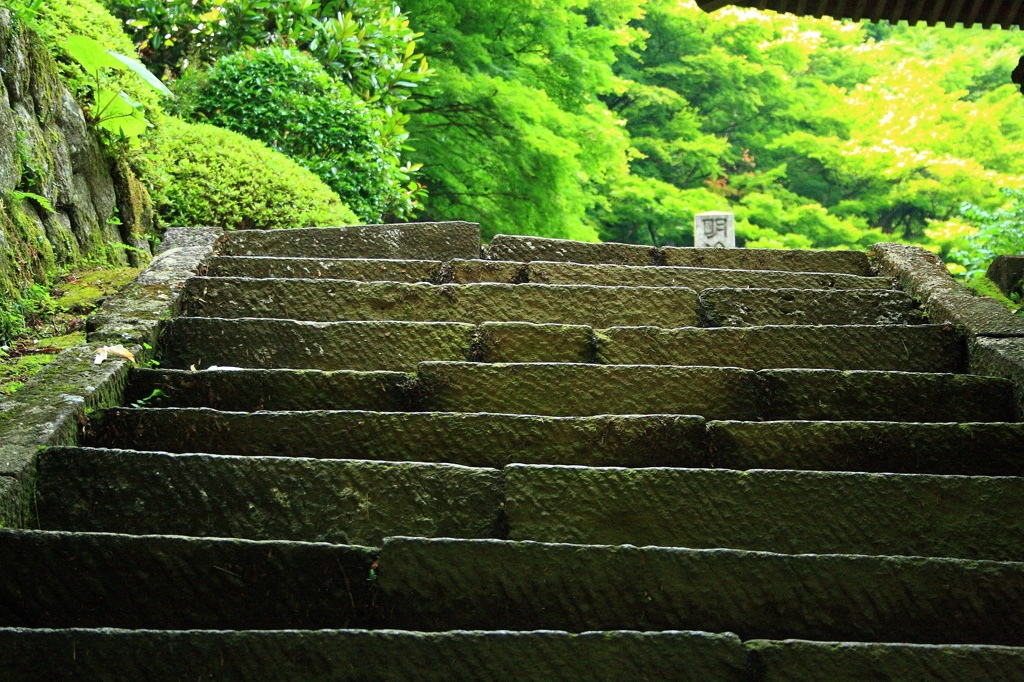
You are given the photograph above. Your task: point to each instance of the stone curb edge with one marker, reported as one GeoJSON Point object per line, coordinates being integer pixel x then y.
{"type": "Point", "coordinates": [49, 408]}
{"type": "Point", "coordinates": [995, 345]}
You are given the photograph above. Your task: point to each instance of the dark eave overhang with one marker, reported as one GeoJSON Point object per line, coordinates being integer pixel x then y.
{"type": "Point", "coordinates": [987, 13]}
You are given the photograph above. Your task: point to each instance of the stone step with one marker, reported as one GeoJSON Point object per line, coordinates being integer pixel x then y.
{"type": "Point", "coordinates": [770, 661]}
{"type": "Point", "coordinates": [543, 272]}
{"type": "Point", "coordinates": [484, 440]}
{"type": "Point", "coordinates": [262, 343]}
{"type": "Point", "coordinates": [322, 655]}
{"type": "Point", "coordinates": [360, 269]}
{"type": "Point", "coordinates": [564, 389]}
{"type": "Point", "coordinates": [264, 498]}
{"type": "Point", "coordinates": [523, 248]}
{"type": "Point", "coordinates": [92, 580]}
{"type": "Point", "coordinates": [433, 241]}
{"type": "Point", "coordinates": [440, 584]}
{"type": "Point", "coordinates": [791, 512]}
{"type": "Point", "coordinates": [329, 300]}
{"type": "Point", "coordinates": [785, 394]}
{"type": "Point", "coordinates": [975, 449]}
{"type": "Point", "coordinates": [759, 307]}
{"type": "Point", "coordinates": [915, 348]}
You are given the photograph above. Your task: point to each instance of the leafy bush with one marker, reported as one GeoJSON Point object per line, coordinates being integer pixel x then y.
{"type": "Point", "coordinates": [288, 101]}
{"type": "Point", "coordinates": [999, 232]}
{"type": "Point", "coordinates": [57, 20]}
{"type": "Point", "coordinates": [204, 175]}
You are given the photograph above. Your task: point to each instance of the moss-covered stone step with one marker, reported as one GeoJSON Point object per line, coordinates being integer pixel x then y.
{"type": "Point", "coordinates": [327, 300]}
{"type": "Point", "coordinates": [488, 440]}
{"type": "Point", "coordinates": [93, 580]}
{"type": "Point", "coordinates": [917, 348]}
{"type": "Point", "coordinates": [329, 655]}
{"type": "Point", "coordinates": [974, 449]}
{"type": "Point", "coordinates": [581, 389]}
{"type": "Point", "coordinates": [273, 389]}
{"type": "Point", "coordinates": [825, 394]}
{"type": "Point", "coordinates": [792, 512]}
{"type": "Point", "coordinates": [785, 394]}
{"type": "Point", "coordinates": [432, 241]}
{"type": "Point", "coordinates": [695, 278]}
{"type": "Point", "coordinates": [255, 342]}
{"type": "Point", "coordinates": [772, 661]}
{"type": "Point", "coordinates": [755, 307]}
{"type": "Point", "coordinates": [360, 269]}
{"type": "Point", "coordinates": [522, 248]}
{"type": "Point", "coordinates": [264, 498]}
{"type": "Point", "coordinates": [438, 584]}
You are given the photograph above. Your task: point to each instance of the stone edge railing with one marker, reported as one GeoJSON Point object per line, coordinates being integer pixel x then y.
{"type": "Point", "coordinates": [995, 336]}
{"type": "Point", "coordinates": [50, 407]}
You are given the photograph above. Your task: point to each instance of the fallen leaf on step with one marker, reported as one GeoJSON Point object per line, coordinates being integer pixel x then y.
{"type": "Point", "coordinates": [118, 350]}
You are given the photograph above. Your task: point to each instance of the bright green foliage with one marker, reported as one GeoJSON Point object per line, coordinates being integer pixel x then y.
{"type": "Point", "coordinates": [999, 231]}
{"type": "Point", "coordinates": [206, 175]}
{"type": "Point", "coordinates": [512, 131]}
{"type": "Point", "coordinates": [288, 101]}
{"type": "Point", "coordinates": [58, 20]}
{"type": "Point", "coordinates": [111, 110]}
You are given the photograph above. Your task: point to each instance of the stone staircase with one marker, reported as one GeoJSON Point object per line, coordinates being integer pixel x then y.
{"type": "Point", "coordinates": [370, 453]}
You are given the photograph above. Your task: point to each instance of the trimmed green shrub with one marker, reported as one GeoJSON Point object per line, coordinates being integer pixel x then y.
{"type": "Point", "coordinates": [288, 101]}
{"type": "Point", "coordinates": [204, 175]}
{"type": "Point", "coordinates": [56, 20]}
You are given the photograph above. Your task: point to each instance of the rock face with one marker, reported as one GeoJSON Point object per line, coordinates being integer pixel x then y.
{"type": "Point", "coordinates": [349, 465]}
{"type": "Point", "coordinates": [63, 195]}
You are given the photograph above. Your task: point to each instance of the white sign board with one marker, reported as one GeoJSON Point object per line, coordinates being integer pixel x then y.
{"type": "Point", "coordinates": [714, 230]}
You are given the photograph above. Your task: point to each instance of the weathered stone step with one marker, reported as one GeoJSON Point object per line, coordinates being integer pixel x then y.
{"type": "Point", "coordinates": [521, 248]}
{"type": "Point", "coordinates": [791, 512]}
{"type": "Point", "coordinates": [770, 661]}
{"type": "Point", "coordinates": [439, 584]}
{"type": "Point", "coordinates": [785, 394]}
{"type": "Point", "coordinates": [61, 580]}
{"type": "Point", "coordinates": [360, 269]}
{"type": "Point", "coordinates": [488, 440]}
{"type": "Point", "coordinates": [264, 498]}
{"type": "Point", "coordinates": [440, 241]}
{"type": "Point", "coordinates": [322, 655]}
{"type": "Point", "coordinates": [977, 449]}
{"type": "Point", "coordinates": [328, 300]}
{"type": "Point", "coordinates": [759, 307]}
{"type": "Point", "coordinates": [579, 389]}
{"type": "Point", "coordinates": [255, 342]}
{"type": "Point", "coordinates": [915, 348]}
{"type": "Point", "coordinates": [674, 276]}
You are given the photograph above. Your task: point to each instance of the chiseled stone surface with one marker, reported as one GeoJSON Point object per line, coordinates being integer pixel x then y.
{"type": "Point", "coordinates": [755, 307]}
{"type": "Point", "coordinates": [272, 389]}
{"type": "Point", "coordinates": [792, 512]}
{"type": "Point", "coordinates": [434, 241]}
{"type": "Point", "coordinates": [322, 655]}
{"type": "Point", "coordinates": [918, 348]}
{"type": "Point", "coordinates": [439, 584]}
{"type": "Point", "coordinates": [528, 342]}
{"type": "Point", "coordinates": [958, 449]}
{"type": "Point", "coordinates": [60, 580]}
{"type": "Point", "coordinates": [475, 271]}
{"type": "Point", "coordinates": [775, 661]}
{"type": "Point", "coordinates": [264, 498]}
{"type": "Point", "coordinates": [508, 247]}
{"type": "Point", "coordinates": [1000, 358]}
{"type": "Point", "coordinates": [359, 269]}
{"type": "Point", "coordinates": [1007, 271]}
{"type": "Point", "coordinates": [331, 300]}
{"type": "Point", "coordinates": [263, 343]}
{"type": "Point", "coordinates": [886, 396]}
{"type": "Point", "coordinates": [489, 440]}
{"type": "Point", "coordinates": [695, 277]}
{"type": "Point", "coordinates": [796, 260]}
{"type": "Point", "coordinates": [581, 389]}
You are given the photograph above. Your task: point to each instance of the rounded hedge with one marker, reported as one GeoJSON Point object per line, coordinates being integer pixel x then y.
{"type": "Point", "coordinates": [286, 99]}
{"type": "Point", "coordinates": [204, 175]}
